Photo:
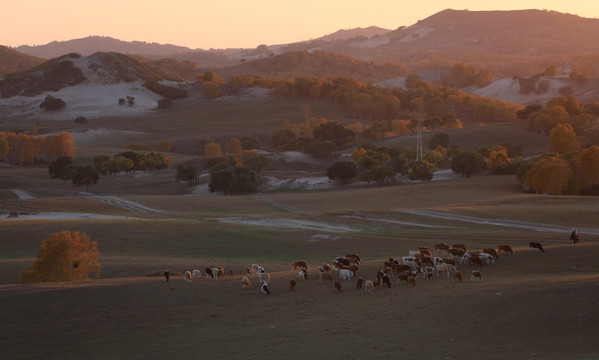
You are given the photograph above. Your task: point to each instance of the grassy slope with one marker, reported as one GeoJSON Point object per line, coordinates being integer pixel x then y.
{"type": "Point", "coordinates": [124, 314]}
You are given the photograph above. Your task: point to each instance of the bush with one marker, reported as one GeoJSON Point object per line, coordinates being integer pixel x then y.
{"type": "Point", "coordinates": [51, 103]}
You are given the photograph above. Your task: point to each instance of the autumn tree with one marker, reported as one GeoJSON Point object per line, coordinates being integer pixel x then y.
{"type": "Point", "coordinates": [65, 256]}
{"type": "Point", "coordinates": [549, 175]}
{"type": "Point", "coordinates": [563, 139]}
{"type": "Point", "coordinates": [3, 145]}
{"type": "Point", "coordinates": [235, 150]}
{"type": "Point", "coordinates": [498, 157]}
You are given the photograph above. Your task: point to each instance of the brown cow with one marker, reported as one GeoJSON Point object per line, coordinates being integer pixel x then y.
{"type": "Point", "coordinates": [324, 276]}
{"type": "Point", "coordinates": [505, 248]}
{"type": "Point", "coordinates": [337, 286]}
{"type": "Point", "coordinates": [359, 283]}
{"type": "Point", "coordinates": [442, 247]}
{"type": "Point", "coordinates": [412, 280]}
{"type": "Point", "coordinates": [535, 245]}
{"type": "Point", "coordinates": [354, 256]}
{"type": "Point", "coordinates": [476, 276]}
{"type": "Point", "coordinates": [292, 284]}
{"type": "Point", "coordinates": [459, 246]}
{"type": "Point", "coordinates": [299, 264]}
{"type": "Point", "coordinates": [491, 252]}
{"type": "Point", "coordinates": [457, 276]}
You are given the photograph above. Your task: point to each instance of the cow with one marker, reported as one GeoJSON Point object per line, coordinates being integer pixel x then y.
{"type": "Point", "coordinates": [345, 274]}
{"type": "Point", "coordinates": [254, 268]}
{"type": "Point", "coordinates": [492, 252]}
{"type": "Point", "coordinates": [486, 258]}
{"type": "Point", "coordinates": [457, 276]}
{"type": "Point", "coordinates": [245, 282]}
{"type": "Point", "coordinates": [264, 288]}
{"type": "Point", "coordinates": [354, 256]}
{"type": "Point", "coordinates": [456, 253]}
{"type": "Point", "coordinates": [299, 264]}
{"type": "Point", "coordinates": [196, 274]}
{"type": "Point", "coordinates": [292, 284]}
{"type": "Point", "coordinates": [337, 286]}
{"type": "Point", "coordinates": [209, 272]}
{"type": "Point", "coordinates": [412, 280]}
{"type": "Point", "coordinates": [504, 248]}
{"type": "Point", "coordinates": [187, 276]}
{"type": "Point", "coordinates": [368, 287]}
{"type": "Point", "coordinates": [302, 275]}
{"type": "Point", "coordinates": [535, 245]}
{"type": "Point", "coordinates": [324, 268]}
{"type": "Point", "coordinates": [459, 246]}
{"type": "Point", "coordinates": [441, 247]}
{"type": "Point", "coordinates": [574, 237]}
{"type": "Point", "coordinates": [359, 283]}
{"type": "Point", "coordinates": [325, 276]}
{"type": "Point", "coordinates": [444, 269]}
{"type": "Point", "coordinates": [264, 277]}
{"type": "Point", "coordinates": [476, 276]}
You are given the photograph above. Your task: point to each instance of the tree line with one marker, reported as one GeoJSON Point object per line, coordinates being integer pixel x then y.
{"type": "Point", "coordinates": [22, 148]}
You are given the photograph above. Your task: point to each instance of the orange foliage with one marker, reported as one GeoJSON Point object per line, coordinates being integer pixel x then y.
{"type": "Point", "coordinates": [563, 139]}
{"type": "Point", "coordinates": [549, 175]}
{"type": "Point", "coordinates": [65, 256]}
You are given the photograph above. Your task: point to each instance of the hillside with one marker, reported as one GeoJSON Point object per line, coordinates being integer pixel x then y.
{"type": "Point", "coordinates": [13, 61]}
{"type": "Point", "coordinates": [92, 44]}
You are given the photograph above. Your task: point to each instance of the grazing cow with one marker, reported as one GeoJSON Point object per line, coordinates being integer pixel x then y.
{"type": "Point", "coordinates": [412, 280]}
{"type": "Point", "coordinates": [535, 245]}
{"type": "Point", "coordinates": [449, 261]}
{"type": "Point", "coordinates": [457, 276]}
{"type": "Point", "coordinates": [167, 275]}
{"type": "Point", "coordinates": [299, 264]}
{"type": "Point", "coordinates": [505, 248]}
{"type": "Point", "coordinates": [368, 287]}
{"type": "Point", "coordinates": [476, 276]}
{"type": "Point", "coordinates": [441, 247]}
{"type": "Point", "coordinates": [475, 259]}
{"type": "Point", "coordinates": [265, 289]}
{"type": "Point", "coordinates": [324, 267]}
{"type": "Point", "coordinates": [492, 252]}
{"type": "Point", "coordinates": [196, 274]}
{"type": "Point", "coordinates": [292, 284]}
{"type": "Point", "coordinates": [254, 268]}
{"type": "Point", "coordinates": [248, 270]}
{"type": "Point", "coordinates": [486, 258]}
{"type": "Point", "coordinates": [303, 274]}
{"type": "Point", "coordinates": [345, 274]}
{"type": "Point", "coordinates": [325, 276]}
{"type": "Point", "coordinates": [429, 272]}
{"type": "Point", "coordinates": [444, 269]}
{"type": "Point", "coordinates": [574, 238]}
{"type": "Point", "coordinates": [402, 278]}
{"type": "Point", "coordinates": [456, 253]}
{"type": "Point", "coordinates": [209, 272]}
{"type": "Point", "coordinates": [341, 260]}
{"type": "Point", "coordinates": [405, 259]}
{"type": "Point", "coordinates": [359, 283]}
{"type": "Point", "coordinates": [219, 273]}
{"type": "Point", "coordinates": [401, 268]}
{"type": "Point", "coordinates": [353, 268]}
{"type": "Point", "coordinates": [354, 256]}
{"type": "Point", "coordinates": [230, 272]}
{"type": "Point", "coordinates": [337, 286]}
{"type": "Point", "coordinates": [424, 250]}
{"type": "Point", "coordinates": [264, 277]}
{"type": "Point", "coordinates": [459, 246]}
{"type": "Point", "coordinates": [187, 276]}
{"type": "Point", "coordinates": [245, 282]}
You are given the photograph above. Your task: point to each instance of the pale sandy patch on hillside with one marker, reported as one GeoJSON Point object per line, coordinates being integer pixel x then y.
{"type": "Point", "coordinates": [372, 42]}
{"type": "Point", "coordinates": [60, 216]}
{"type": "Point", "coordinates": [288, 224]}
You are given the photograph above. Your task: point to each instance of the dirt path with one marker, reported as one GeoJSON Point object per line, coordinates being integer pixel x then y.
{"type": "Point", "coordinates": [22, 194]}
{"type": "Point", "coordinates": [120, 202]}
{"type": "Point", "coordinates": [500, 222]}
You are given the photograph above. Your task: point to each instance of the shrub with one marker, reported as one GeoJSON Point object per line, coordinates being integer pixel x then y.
{"type": "Point", "coordinates": [51, 103]}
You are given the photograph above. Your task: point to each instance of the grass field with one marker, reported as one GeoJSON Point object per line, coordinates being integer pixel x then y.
{"type": "Point", "coordinates": [531, 305]}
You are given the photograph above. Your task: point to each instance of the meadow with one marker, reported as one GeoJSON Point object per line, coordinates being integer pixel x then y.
{"type": "Point", "coordinates": [531, 305]}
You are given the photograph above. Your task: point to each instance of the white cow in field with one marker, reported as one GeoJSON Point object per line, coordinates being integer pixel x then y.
{"type": "Point", "coordinates": [196, 274]}
{"type": "Point", "coordinates": [345, 274]}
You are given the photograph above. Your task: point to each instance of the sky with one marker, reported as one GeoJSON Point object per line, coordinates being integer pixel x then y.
{"type": "Point", "coordinates": [218, 24]}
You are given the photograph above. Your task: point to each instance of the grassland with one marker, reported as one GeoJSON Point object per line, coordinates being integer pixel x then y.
{"type": "Point", "coordinates": [530, 305]}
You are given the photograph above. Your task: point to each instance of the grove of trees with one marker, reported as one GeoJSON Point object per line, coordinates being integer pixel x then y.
{"type": "Point", "coordinates": [21, 148]}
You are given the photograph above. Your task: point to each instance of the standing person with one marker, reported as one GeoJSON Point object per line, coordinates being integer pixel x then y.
{"type": "Point", "coordinates": [166, 275]}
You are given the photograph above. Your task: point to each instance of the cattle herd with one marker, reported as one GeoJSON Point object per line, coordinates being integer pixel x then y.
{"type": "Point", "coordinates": [442, 262]}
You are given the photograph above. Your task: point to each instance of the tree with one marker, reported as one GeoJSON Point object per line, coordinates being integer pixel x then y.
{"type": "Point", "coordinates": [466, 163]}
{"type": "Point", "coordinates": [189, 172]}
{"type": "Point", "coordinates": [249, 142]}
{"type": "Point", "coordinates": [334, 131]}
{"type": "Point", "coordinates": [549, 175]}
{"type": "Point", "coordinates": [563, 139]}
{"type": "Point", "coordinates": [57, 167]}
{"type": "Point", "coordinates": [212, 150]}
{"type": "Point", "coordinates": [257, 163]}
{"type": "Point", "coordinates": [343, 171]}
{"type": "Point", "coordinates": [439, 139]}
{"type": "Point", "coordinates": [65, 256]}
{"type": "Point", "coordinates": [498, 157]}
{"type": "Point", "coordinates": [422, 171]}
{"type": "Point", "coordinates": [80, 120]}
{"type": "Point", "coordinates": [3, 145]}
{"type": "Point", "coordinates": [87, 175]}
{"type": "Point", "coordinates": [164, 146]}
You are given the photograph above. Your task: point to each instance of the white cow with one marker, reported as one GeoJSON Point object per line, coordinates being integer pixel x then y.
{"type": "Point", "coordinates": [345, 274]}
{"type": "Point", "coordinates": [196, 274]}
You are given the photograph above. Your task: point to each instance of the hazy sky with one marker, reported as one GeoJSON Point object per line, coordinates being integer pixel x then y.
{"type": "Point", "coordinates": [231, 23]}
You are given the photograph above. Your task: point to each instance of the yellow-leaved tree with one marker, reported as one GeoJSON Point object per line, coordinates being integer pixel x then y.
{"type": "Point", "coordinates": [65, 256]}
{"type": "Point", "coordinates": [549, 175]}
{"type": "Point", "coordinates": [563, 139]}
